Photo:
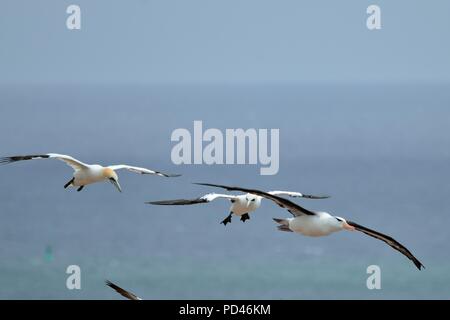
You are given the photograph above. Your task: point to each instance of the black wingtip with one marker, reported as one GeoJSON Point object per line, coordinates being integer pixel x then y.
{"type": "Point", "coordinates": [319, 197]}
{"type": "Point", "coordinates": [174, 175]}
{"type": "Point", "coordinates": [211, 185]}
{"type": "Point", "coordinates": [11, 159]}
{"type": "Point", "coordinates": [178, 202]}
{"type": "Point", "coordinates": [153, 202]}
{"type": "Point", "coordinates": [419, 265]}
{"type": "Point", "coordinates": [110, 284]}
{"type": "Point", "coordinates": [5, 160]}
{"type": "Point", "coordinates": [162, 174]}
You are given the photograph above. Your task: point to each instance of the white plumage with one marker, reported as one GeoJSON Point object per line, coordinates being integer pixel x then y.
{"type": "Point", "coordinates": [85, 174]}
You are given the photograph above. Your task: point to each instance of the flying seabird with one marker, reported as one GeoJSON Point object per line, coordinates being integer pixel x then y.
{"type": "Point", "coordinates": [122, 292]}
{"type": "Point", "coordinates": [241, 205]}
{"type": "Point", "coordinates": [318, 224]}
{"type": "Point", "coordinates": [85, 174]}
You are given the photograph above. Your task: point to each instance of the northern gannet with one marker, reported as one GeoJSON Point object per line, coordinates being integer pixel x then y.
{"type": "Point", "coordinates": [85, 174]}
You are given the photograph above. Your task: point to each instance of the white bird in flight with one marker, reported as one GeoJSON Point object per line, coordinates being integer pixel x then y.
{"type": "Point", "coordinates": [85, 174]}
{"type": "Point", "coordinates": [124, 293]}
{"type": "Point", "coordinates": [318, 224]}
{"type": "Point", "coordinates": [241, 205]}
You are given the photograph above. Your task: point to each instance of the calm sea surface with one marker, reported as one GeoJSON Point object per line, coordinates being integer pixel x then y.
{"type": "Point", "coordinates": [381, 152]}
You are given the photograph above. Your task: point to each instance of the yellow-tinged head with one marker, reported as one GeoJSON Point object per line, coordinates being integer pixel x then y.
{"type": "Point", "coordinates": [111, 175]}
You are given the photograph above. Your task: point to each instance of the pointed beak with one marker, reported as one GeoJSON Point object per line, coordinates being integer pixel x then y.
{"type": "Point", "coordinates": [348, 227]}
{"type": "Point", "coordinates": [116, 184]}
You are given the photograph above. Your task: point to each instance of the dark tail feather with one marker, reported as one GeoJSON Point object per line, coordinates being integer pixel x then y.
{"type": "Point", "coordinates": [283, 222]}
{"type": "Point", "coordinates": [284, 228]}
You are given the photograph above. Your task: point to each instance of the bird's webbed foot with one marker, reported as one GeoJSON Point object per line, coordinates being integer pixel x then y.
{"type": "Point", "coordinates": [69, 183]}
{"type": "Point", "coordinates": [227, 220]}
{"type": "Point", "coordinates": [245, 217]}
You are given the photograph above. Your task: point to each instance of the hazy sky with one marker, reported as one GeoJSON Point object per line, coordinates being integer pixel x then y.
{"type": "Point", "coordinates": [381, 151]}
{"type": "Point", "coordinates": [232, 41]}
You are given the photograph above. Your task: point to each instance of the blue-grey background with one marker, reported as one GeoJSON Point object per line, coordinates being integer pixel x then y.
{"type": "Point", "coordinates": [363, 116]}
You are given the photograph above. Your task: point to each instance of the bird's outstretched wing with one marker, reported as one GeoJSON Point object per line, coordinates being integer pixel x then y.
{"type": "Point", "coordinates": [389, 240]}
{"type": "Point", "coordinates": [142, 170]}
{"type": "Point", "coordinates": [74, 163]}
{"type": "Point", "coordinates": [297, 195]}
{"type": "Point", "coordinates": [290, 206]}
{"type": "Point", "coordinates": [122, 292]}
{"type": "Point", "coordinates": [205, 199]}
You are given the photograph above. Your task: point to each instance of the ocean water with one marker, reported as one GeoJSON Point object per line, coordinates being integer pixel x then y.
{"type": "Point", "coordinates": [382, 153]}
